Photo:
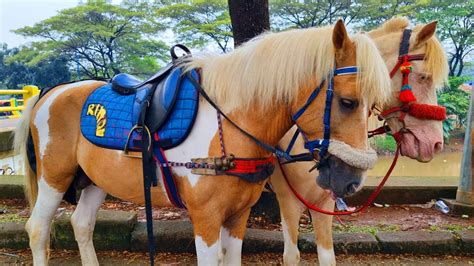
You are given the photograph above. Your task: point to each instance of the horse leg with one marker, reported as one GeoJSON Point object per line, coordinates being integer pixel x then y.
{"type": "Point", "coordinates": [232, 234]}
{"type": "Point", "coordinates": [39, 223]}
{"type": "Point", "coordinates": [322, 226]}
{"type": "Point", "coordinates": [83, 221]}
{"type": "Point", "coordinates": [291, 211]}
{"type": "Point", "coordinates": [207, 226]}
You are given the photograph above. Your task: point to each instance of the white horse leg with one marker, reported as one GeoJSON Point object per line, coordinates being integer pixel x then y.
{"type": "Point", "coordinates": [322, 225]}
{"type": "Point", "coordinates": [208, 254]}
{"type": "Point", "coordinates": [39, 223]}
{"type": "Point", "coordinates": [83, 221]}
{"type": "Point", "coordinates": [232, 235]}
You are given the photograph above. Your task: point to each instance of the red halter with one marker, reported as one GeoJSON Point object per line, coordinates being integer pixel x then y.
{"type": "Point", "coordinates": [407, 98]}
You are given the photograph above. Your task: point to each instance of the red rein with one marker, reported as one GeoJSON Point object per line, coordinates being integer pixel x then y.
{"type": "Point", "coordinates": [363, 207]}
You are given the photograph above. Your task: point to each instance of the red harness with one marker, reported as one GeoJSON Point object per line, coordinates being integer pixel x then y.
{"type": "Point", "coordinates": [409, 106]}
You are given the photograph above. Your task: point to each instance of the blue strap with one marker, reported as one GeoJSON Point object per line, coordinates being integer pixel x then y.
{"type": "Point", "coordinates": [311, 98]}
{"type": "Point", "coordinates": [293, 140]}
{"type": "Point", "coordinates": [345, 71]}
{"type": "Point", "coordinates": [168, 178]}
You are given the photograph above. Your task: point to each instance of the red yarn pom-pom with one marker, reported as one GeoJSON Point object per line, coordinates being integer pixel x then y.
{"type": "Point", "coordinates": [406, 68]}
{"type": "Point", "coordinates": [407, 96]}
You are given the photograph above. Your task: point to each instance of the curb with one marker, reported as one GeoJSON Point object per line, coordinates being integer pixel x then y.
{"type": "Point", "coordinates": [119, 230]}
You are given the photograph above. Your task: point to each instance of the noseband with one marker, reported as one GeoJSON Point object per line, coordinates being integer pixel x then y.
{"type": "Point", "coordinates": [409, 104]}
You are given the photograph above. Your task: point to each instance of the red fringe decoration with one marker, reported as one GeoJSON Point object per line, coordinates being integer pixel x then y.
{"type": "Point", "coordinates": [426, 111]}
{"type": "Point", "coordinates": [407, 96]}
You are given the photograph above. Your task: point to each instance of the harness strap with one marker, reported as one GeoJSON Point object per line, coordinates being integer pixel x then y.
{"type": "Point", "coordinates": [149, 177]}
{"type": "Point", "coordinates": [277, 152]}
{"type": "Point", "coordinates": [168, 180]}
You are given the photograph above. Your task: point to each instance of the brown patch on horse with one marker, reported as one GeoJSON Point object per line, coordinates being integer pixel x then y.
{"type": "Point", "coordinates": [63, 130]}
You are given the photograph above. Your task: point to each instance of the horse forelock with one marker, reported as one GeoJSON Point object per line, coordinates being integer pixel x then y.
{"type": "Point", "coordinates": [436, 62]}
{"type": "Point", "coordinates": [372, 77]}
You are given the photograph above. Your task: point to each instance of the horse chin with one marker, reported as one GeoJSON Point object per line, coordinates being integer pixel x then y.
{"type": "Point", "coordinates": [420, 149]}
{"type": "Point", "coordinates": [340, 179]}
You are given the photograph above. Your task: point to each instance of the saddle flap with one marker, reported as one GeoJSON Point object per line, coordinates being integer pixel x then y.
{"type": "Point", "coordinates": [163, 100]}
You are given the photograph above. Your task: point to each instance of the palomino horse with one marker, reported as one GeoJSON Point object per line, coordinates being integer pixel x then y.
{"type": "Point", "coordinates": [420, 139]}
{"type": "Point", "coordinates": [259, 86]}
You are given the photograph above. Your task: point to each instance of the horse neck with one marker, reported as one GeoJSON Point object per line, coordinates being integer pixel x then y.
{"type": "Point", "coordinates": [267, 125]}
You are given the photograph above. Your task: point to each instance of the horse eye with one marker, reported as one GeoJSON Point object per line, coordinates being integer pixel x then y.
{"type": "Point", "coordinates": [348, 103]}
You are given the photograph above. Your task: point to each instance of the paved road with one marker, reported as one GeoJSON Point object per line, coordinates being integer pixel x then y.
{"type": "Point", "coordinates": [129, 258]}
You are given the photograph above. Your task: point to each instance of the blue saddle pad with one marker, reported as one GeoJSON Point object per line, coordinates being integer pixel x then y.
{"type": "Point", "coordinates": [107, 117]}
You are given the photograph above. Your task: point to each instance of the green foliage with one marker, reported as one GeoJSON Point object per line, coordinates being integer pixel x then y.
{"type": "Point", "coordinates": [455, 27]}
{"type": "Point", "coordinates": [199, 22]}
{"type": "Point", "coordinates": [455, 100]}
{"type": "Point", "coordinates": [312, 13]}
{"type": "Point", "coordinates": [386, 143]}
{"type": "Point", "coordinates": [44, 72]}
{"type": "Point", "coordinates": [100, 38]}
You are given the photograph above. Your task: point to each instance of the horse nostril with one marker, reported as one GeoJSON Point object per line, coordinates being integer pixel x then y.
{"type": "Point", "coordinates": [352, 187]}
{"type": "Point", "coordinates": [438, 147]}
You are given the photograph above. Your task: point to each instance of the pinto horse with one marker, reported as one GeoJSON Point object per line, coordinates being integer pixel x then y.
{"type": "Point", "coordinates": [421, 137]}
{"type": "Point", "coordinates": [259, 86]}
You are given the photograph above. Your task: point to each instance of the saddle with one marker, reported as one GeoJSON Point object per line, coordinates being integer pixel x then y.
{"type": "Point", "coordinates": [111, 113]}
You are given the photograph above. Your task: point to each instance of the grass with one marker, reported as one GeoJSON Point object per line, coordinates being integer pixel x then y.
{"type": "Point", "coordinates": [387, 143]}
{"type": "Point", "coordinates": [11, 217]}
{"type": "Point", "coordinates": [366, 228]}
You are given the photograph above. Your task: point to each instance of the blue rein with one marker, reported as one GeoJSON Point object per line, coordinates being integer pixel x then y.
{"type": "Point", "coordinates": [320, 144]}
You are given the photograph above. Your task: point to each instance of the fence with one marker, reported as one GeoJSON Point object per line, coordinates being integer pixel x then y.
{"type": "Point", "coordinates": [17, 105]}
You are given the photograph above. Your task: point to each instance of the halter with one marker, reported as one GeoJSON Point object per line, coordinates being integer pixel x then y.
{"type": "Point", "coordinates": [409, 105]}
{"type": "Point", "coordinates": [320, 145]}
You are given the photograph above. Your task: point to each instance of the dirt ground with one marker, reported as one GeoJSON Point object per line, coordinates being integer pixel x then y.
{"type": "Point", "coordinates": [61, 257]}
{"type": "Point", "coordinates": [386, 218]}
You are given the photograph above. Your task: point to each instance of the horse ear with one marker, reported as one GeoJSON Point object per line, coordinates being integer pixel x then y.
{"type": "Point", "coordinates": [426, 33]}
{"type": "Point", "coordinates": [339, 35]}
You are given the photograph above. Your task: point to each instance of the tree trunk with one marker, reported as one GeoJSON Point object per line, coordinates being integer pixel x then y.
{"type": "Point", "coordinates": [249, 19]}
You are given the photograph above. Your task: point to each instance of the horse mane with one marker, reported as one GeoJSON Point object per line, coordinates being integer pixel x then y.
{"type": "Point", "coordinates": [435, 58]}
{"type": "Point", "coordinates": [272, 67]}
{"type": "Point", "coordinates": [436, 61]}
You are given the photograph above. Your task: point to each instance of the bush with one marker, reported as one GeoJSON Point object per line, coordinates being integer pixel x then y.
{"type": "Point", "coordinates": [387, 143]}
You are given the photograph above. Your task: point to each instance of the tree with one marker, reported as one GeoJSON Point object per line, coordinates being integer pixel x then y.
{"type": "Point", "coordinates": [249, 19]}
{"type": "Point", "coordinates": [311, 13]}
{"type": "Point", "coordinates": [14, 73]}
{"type": "Point", "coordinates": [101, 38]}
{"type": "Point", "coordinates": [374, 12]}
{"type": "Point", "coordinates": [455, 27]}
{"type": "Point", "coordinates": [199, 22]}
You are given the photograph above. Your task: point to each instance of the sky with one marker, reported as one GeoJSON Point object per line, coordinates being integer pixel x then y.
{"type": "Point", "coordinates": [16, 14]}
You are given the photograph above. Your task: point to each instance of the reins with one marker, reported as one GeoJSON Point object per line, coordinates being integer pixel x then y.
{"type": "Point", "coordinates": [371, 199]}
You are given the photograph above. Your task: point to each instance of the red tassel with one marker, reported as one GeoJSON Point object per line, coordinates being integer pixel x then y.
{"type": "Point", "coordinates": [426, 111]}
{"type": "Point", "coordinates": [407, 96]}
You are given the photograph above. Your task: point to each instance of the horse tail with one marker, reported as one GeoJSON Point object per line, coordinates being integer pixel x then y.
{"type": "Point", "coordinates": [20, 143]}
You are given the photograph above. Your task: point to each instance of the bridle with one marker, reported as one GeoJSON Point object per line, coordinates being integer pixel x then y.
{"type": "Point", "coordinates": [318, 148]}
{"type": "Point", "coordinates": [409, 106]}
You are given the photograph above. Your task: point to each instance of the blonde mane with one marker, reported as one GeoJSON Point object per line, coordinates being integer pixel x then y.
{"type": "Point", "coordinates": [435, 58]}
{"type": "Point", "coordinates": [273, 66]}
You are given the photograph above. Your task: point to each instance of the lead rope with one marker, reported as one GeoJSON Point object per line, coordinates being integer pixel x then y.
{"type": "Point", "coordinates": [221, 133]}
{"type": "Point", "coordinates": [371, 199]}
